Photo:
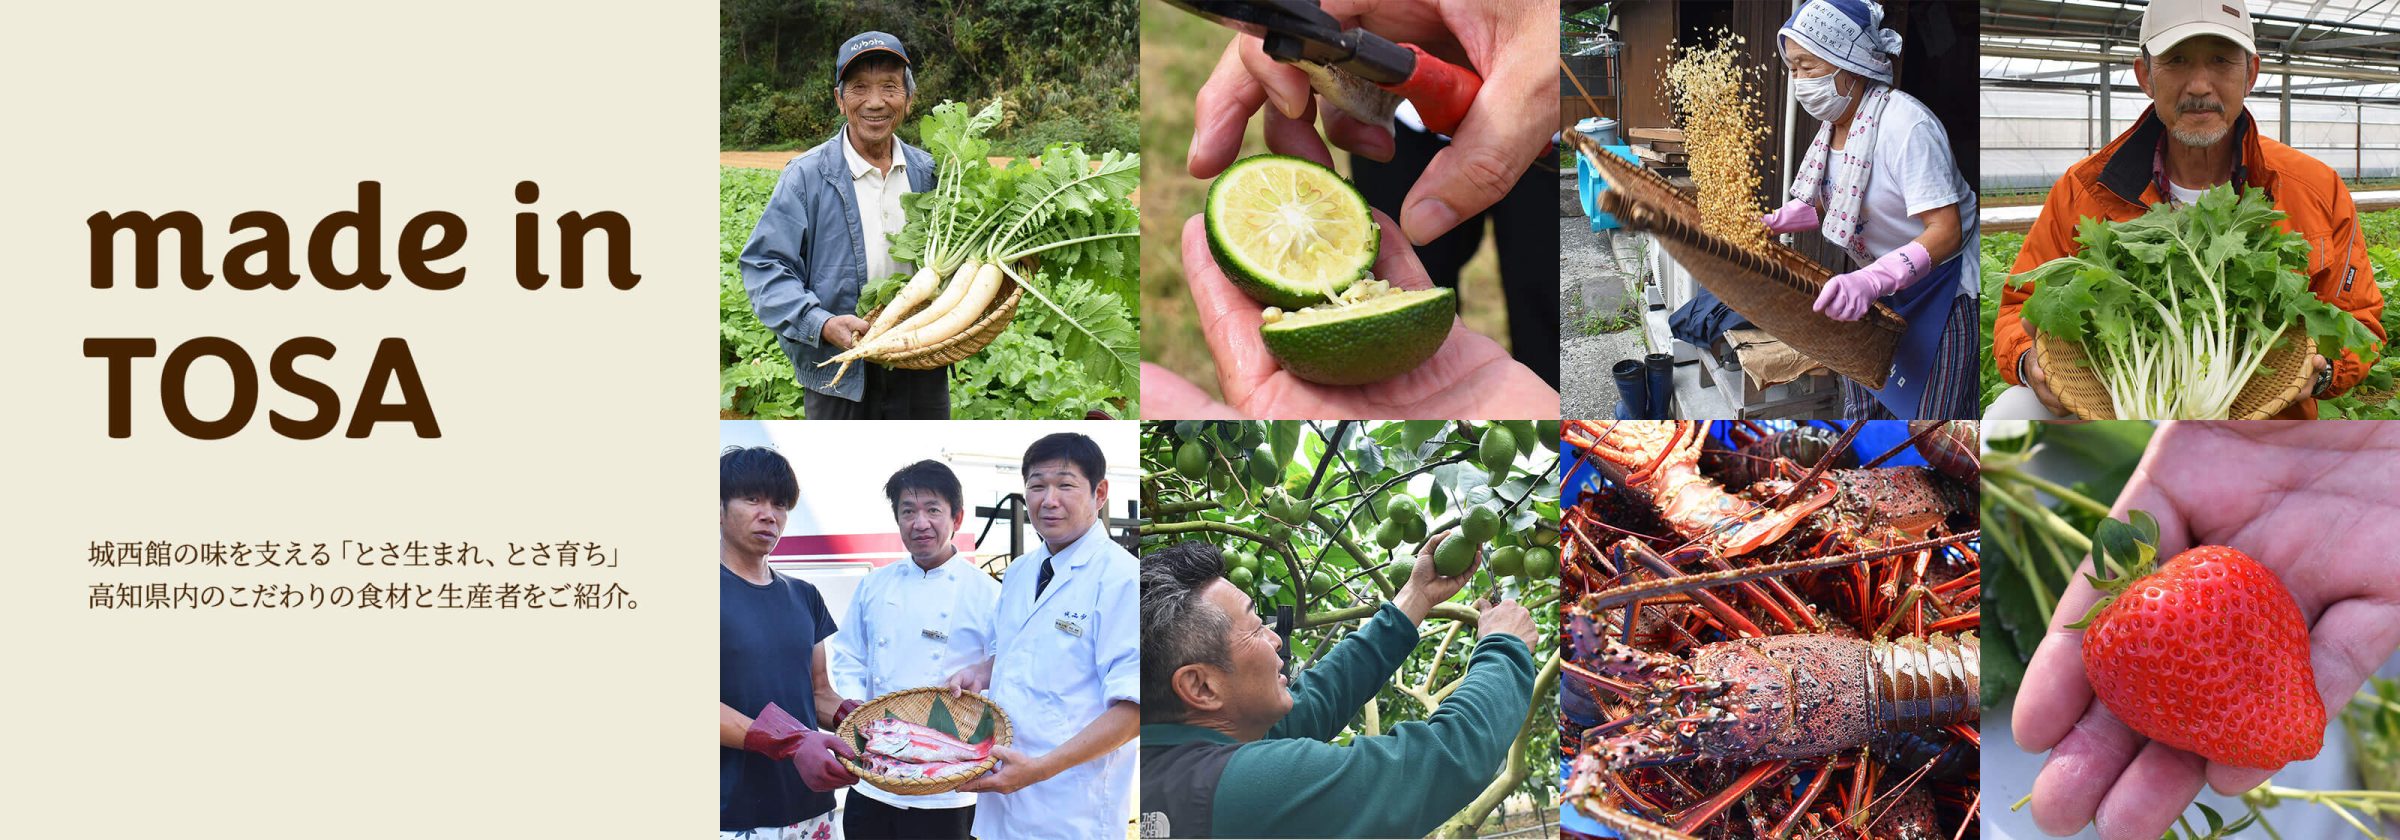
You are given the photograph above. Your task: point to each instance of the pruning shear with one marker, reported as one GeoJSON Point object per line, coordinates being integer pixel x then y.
{"type": "Point", "coordinates": [1283, 638]}
{"type": "Point", "coordinates": [1299, 31]}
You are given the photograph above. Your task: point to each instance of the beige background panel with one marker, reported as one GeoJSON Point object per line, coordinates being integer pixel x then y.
{"type": "Point", "coordinates": [564, 414]}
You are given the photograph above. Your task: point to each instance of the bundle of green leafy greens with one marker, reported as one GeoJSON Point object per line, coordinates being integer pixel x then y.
{"type": "Point", "coordinates": [1065, 211]}
{"type": "Point", "coordinates": [2177, 309]}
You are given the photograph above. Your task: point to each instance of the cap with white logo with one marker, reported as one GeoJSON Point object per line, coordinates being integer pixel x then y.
{"type": "Point", "coordinates": [867, 42]}
{"type": "Point", "coordinates": [2168, 22]}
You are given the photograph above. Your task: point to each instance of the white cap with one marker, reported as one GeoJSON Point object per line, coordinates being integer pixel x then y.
{"type": "Point", "coordinates": [2168, 22]}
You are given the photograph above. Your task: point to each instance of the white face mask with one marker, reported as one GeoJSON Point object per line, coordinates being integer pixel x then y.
{"type": "Point", "coordinates": [1819, 97]}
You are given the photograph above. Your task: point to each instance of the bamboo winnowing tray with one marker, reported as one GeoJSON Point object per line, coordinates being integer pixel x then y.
{"type": "Point", "coordinates": [1776, 290]}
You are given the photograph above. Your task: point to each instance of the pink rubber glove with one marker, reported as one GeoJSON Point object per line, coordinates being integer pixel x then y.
{"type": "Point", "coordinates": [1797, 216]}
{"type": "Point", "coordinates": [1847, 296]}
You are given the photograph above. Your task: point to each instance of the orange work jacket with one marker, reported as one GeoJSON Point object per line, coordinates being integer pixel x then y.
{"type": "Point", "coordinates": [2117, 184]}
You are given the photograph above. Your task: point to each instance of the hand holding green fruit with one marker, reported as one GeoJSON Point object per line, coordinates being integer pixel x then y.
{"type": "Point", "coordinates": [1470, 375]}
{"type": "Point", "coordinates": [1455, 557]}
{"type": "Point", "coordinates": [1427, 585]}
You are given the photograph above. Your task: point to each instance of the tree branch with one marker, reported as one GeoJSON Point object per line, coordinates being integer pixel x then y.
{"type": "Point", "coordinates": [1455, 612]}
{"type": "Point", "coordinates": [1175, 508]}
{"type": "Point", "coordinates": [1514, 770]}
{"type": "Point", "coordinates": [1330, 448]}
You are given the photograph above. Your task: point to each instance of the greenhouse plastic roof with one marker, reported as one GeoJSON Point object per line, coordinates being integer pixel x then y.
{"type": "Point", "coordinates": [2337, 49]}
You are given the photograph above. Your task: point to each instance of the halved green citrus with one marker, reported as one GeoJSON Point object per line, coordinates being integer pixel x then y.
{"type": "Point", "coordinates": [1289, 232]}
{"type": "Point", "coordinates": [1371, 340]}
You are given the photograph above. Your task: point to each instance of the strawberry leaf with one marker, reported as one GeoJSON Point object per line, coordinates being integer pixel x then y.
{"type": "Point", "coordinates": [2092, 613]}
{"type": "Point", "coordinates": [2127, 552]}
{"type": "Point", "coordinates": [2144, 523]}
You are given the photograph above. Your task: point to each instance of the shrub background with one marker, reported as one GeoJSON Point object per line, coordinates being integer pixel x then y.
{"type": "Point", "coordinates": [1070, 68]}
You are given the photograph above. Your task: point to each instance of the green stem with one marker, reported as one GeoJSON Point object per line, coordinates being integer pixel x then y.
{"type": "Point", "coordinates": [2262, 819]}
{"type": "Point", "coordinates": [2062, 492]}
{"type": "Point", "coordinates": [2058, 557]}
{"type": "Point", "coordinates": [1018, 255]}
{"type": "Point", "coordinates": [2042, 517]}
{"type": "Point", "coordinates": [2372, 801]}
{"type": "Point", "coordinates": [2013, 543]}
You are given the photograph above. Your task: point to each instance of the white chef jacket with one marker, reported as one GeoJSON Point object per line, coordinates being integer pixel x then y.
{"type": "Point", "coordinates": [1059, 661]}
{"type": "Point", "coordinates": [908, 628]}
{"type": "Point", "coordinates": [879, 211]}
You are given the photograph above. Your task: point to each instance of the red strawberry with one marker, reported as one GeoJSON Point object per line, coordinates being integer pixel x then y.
{"type": "Point", "coordinates": [2208, 655]}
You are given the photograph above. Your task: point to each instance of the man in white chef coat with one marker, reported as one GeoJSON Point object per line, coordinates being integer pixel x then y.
{"type": "Point", "coordinates": [1066, 661]}
{"type": "Point", "coordinates": [910, 625]}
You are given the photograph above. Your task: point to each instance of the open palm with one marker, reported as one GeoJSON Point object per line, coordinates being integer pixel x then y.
{"type": "Point", "coordinates": [2316, 502]}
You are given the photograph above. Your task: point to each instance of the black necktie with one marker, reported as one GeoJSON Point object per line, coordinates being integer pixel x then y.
{"type": "Point", "coordinates": [1043, 582]}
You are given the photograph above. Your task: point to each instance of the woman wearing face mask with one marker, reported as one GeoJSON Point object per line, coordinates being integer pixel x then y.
{"type": "Point", "coordinates": [1880, 183]}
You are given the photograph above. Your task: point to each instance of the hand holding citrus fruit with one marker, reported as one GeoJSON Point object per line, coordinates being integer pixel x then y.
{"type": "Point", "coordinates": [1469, 377]}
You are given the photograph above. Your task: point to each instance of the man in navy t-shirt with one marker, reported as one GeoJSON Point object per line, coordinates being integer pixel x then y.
{"type": "Point", "coordinates": [776, 705]}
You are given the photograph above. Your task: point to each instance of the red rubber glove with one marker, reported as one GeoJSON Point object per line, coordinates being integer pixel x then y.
{"type": "Point", "coordinates": [842, 712]}
{"type": "Point", "coordinates": [818, 768]}
{"type": "Point", "coordinates": [774, 733]}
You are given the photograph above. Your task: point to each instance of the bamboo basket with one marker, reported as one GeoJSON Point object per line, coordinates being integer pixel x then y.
{"type": "Point", "coordinates": [1776, 290]}
{"type": "Point", "coordinates": [970, 342]}
{"type": "Point", "coordinates": [916, 705]}
{"type": "Point", "coordinates": [2280, 381]}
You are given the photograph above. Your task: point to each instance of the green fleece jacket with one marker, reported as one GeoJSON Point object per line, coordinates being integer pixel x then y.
{"type": "Point", "coordinates": [1403, 783]}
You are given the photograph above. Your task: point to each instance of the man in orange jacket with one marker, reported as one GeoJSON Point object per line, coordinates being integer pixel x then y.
{"type": "Point", "coordinates": [2198, 62]}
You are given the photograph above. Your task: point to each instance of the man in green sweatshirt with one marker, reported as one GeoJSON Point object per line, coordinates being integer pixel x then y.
{"type": "Point", "coordinates": [1229, 750]}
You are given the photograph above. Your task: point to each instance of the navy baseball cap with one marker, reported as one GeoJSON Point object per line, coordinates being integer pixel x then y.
{"type": "Point", "coordinates": [867, 42]}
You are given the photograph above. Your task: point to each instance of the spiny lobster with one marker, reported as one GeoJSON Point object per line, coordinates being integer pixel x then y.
{"type": "Point", "coordinates": [1812, 631]}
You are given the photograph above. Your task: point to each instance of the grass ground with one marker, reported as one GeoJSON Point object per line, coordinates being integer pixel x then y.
{"type": "Point", "coordinates": [1178, 51]}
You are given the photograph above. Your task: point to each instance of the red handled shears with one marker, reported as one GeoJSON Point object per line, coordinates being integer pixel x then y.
{"type": "Point", "coordinates": [1300, 30]}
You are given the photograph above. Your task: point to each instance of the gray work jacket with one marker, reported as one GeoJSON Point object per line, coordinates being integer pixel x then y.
{"type": "Point", "coordinates": [806, 261]}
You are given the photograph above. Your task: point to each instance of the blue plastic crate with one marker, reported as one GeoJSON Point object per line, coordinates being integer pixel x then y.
{"type": "Point", "coordinates": [1588, 186]}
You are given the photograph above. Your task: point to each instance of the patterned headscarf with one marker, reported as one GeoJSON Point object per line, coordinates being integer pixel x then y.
{"type": "Point", "coordinates": [1846, 33]}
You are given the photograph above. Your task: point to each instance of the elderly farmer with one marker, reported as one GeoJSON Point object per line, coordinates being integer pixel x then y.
{"type": "Point", "coordinates": [2197, 62]}
{"type": "Point", "coordinates": [775, 707]}
{"type": "Point", "coordinates": [1880, 184]}
{"type": "Point", "coordinates": [910, 625]}
{"type": "Point", "coordinates": [1229, 750]}
{"type": "Point", "coordinates": [822, 238]}
{"type": "Point", "coordinates": [1065, 661]}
